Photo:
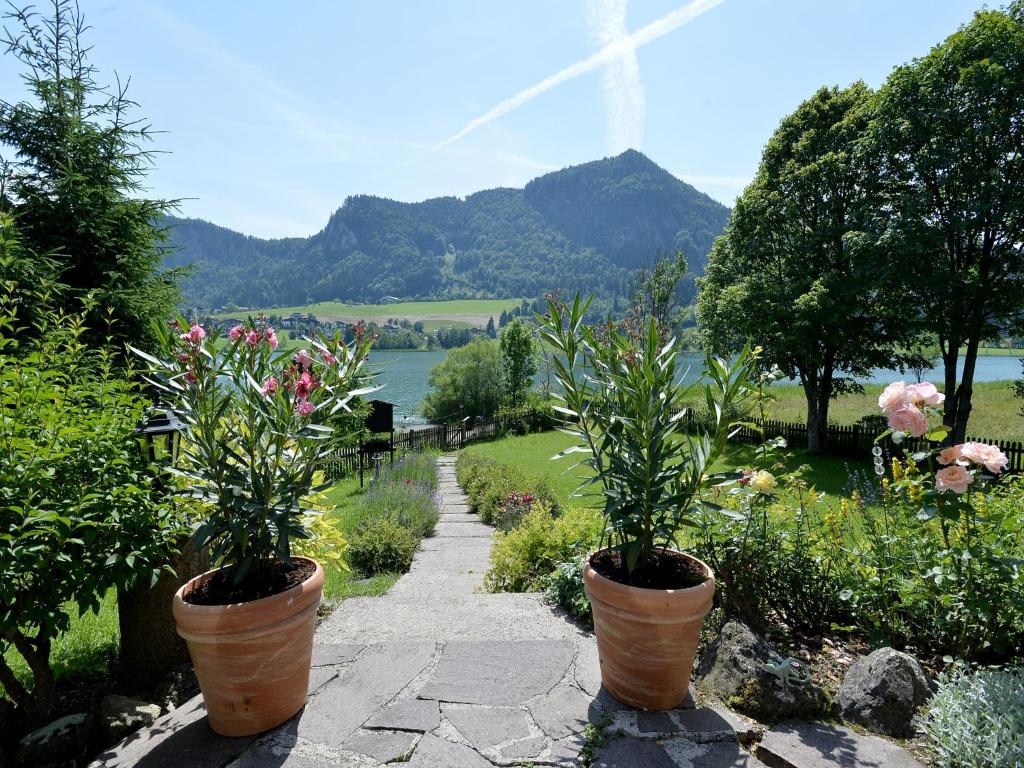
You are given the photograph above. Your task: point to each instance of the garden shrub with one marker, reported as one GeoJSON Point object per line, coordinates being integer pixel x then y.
{"type": "Point", "coordinates": [496, 491]}
{"type": "Point", "coordinates": [564, 587]}
{"type": "Point", "coordinates": [521, 557]}
{"type": "Point", "coordinates": [381, 546]}
{"type": "Point", "coordinates": [404, 494]}
{"type": "Point", "coordinates": [976, 720]}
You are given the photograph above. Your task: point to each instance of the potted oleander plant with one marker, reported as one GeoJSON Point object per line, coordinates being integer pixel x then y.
{"type": "Point", "coordinates": [624, 401]}
{"type": "Point", "coordinates": [255, 433]}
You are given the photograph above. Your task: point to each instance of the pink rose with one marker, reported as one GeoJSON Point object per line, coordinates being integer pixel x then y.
{"type": "Point", "coordinates": [269, 386]}
{"type": "Point", "coordinates": [303, 359]}
{"type": "Point", "coordinates": [954, 478]}
{"type": "Point", "coordinates": [893, 396]}
{"type": "Point", "coordinates": [304, 408]}
{"type": "Point", "coordinates": [252, 338]}
{"type": "Point", "coordinates": [925, 392]}
{"type": "Point", "coordinates": [950, 455]}
{"type": "Point", "coordinates": [272, 338]}
{"type": "Point", "coordinates": [987, 456]}
{"type": "Point", "coordinates": [908, 419]}
{"type": "Point", "coordinates": [236, 333]}
{"type": "Point", "coordinates": [194, 335]}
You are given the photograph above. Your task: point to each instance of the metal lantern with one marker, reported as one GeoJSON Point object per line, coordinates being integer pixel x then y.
{"type": "Point", "coordinates": [160, 436]}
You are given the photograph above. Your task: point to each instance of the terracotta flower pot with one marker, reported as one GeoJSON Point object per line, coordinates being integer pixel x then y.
{"type": "Point", "coordinates": [647, 638]}
{"type": "Point", "coordinates": [252, 659]}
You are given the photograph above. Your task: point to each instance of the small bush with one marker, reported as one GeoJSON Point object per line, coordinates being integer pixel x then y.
{"type": "Point", "coordinates": [976, 720]}
{"type": "Point", "coordinates": [564, 587]}
{"type": "Point", "coordinates": [521, 558]}
{"type": "Point", "coordinates": [495, 491]}
{"type": "Point", "coordinates": [382, 546]}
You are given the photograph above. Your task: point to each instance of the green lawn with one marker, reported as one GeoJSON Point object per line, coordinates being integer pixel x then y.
{"type": "Point", "coordinates": [532, 454]}
{"type": "Point", "coordinates": [995, 416]}
{"type": "Point", "coordinates": [462, 313]}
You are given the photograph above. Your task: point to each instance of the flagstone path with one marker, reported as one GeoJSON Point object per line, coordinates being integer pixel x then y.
{"type": "Point", "coordinates": [442, 675]}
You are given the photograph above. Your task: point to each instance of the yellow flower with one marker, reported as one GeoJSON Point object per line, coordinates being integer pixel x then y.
{"type": "Point", "coordinates": [764, 482]}
{"type": "Point", "coordinates": [897, 469]}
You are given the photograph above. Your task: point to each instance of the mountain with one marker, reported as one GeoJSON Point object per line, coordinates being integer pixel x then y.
{"type": "Point", "coordinates": [581, 228]}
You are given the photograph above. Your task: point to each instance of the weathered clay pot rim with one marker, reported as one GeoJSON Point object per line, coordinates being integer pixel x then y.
{"type": "Point", "coordinates": [260, 604]}
{"type": "Point", "coordinates": [591, 573]}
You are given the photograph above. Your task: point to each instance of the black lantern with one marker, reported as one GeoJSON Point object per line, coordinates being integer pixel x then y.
{"type": "Point", "coordinates": [160, 436]}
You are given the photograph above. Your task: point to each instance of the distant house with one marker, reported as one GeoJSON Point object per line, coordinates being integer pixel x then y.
{"type": "Point", "coordinates": [390, 300]}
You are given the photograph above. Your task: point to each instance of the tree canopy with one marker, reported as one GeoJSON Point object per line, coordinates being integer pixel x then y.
{"type": "Point", "coordinates": [467, 383]}
{"type": "Point", "coordinates": [520, 351]}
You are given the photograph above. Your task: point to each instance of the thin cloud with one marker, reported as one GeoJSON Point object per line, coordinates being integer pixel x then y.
{"type": "Point", "coordinates": [623, 92]}
{"type": "Point", "coordinates": [623, 46]}
{"type": "Point", "coordinates": [737, 182]}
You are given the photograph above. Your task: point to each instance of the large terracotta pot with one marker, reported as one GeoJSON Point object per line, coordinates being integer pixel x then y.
{"type": "Point", "coordinates": [647, 638]}
{"type": "Point", "coordinates": [252, 659]}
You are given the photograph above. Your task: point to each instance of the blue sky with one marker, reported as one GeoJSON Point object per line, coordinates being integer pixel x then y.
{"type": "Point", "coordinates": [274, 112]}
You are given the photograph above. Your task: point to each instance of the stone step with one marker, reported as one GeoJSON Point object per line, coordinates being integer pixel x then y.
{"type": "Point", "coordinates": [799, 744]}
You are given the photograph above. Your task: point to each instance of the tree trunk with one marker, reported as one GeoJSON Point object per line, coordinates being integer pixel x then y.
{"type": "Point", "coordinates": [950, 352]}
{"type": "Point", "coordinates": [818, 392]}
{"type": "Point", "coordinates": [36, 652]}
{"type": "Point", "coordinates": [965, 392]}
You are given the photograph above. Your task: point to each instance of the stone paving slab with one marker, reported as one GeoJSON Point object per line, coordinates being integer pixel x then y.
{"type": "Point", "coordinates": [407, 715]}
{"type": "Point", "coordinates": [798, 744]}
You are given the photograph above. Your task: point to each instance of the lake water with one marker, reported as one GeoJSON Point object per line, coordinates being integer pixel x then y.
{"type": "Point", "coordinates": [404, 376]}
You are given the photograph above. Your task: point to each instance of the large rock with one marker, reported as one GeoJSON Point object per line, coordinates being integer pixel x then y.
{"type": "Point", "coordinates": [883, 691]}
{"type": "Point", "coordinates": [798, 744]}
{"type": "Point", "coordinates": [734, 668]}
{"type": "Point", "coordinates": [121, 715]}
{"type": "Point", "coordinates": [61, 744]}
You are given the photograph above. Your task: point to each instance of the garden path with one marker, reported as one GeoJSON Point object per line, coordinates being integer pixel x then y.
{"type": "Point", "coordinates": [443, 675]}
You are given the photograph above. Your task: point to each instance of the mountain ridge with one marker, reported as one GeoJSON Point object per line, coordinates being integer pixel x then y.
{"type": "Point", "coordinates": [584, 227]}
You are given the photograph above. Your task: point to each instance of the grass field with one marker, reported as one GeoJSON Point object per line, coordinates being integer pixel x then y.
{"type": "Point", "coordinates": [995, 416]}
{"type": "Point", "coordinates": [532, 454]}
{"type": "Point", "coordinates": [462, 313]}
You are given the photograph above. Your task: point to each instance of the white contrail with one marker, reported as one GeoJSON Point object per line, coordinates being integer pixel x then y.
{"type": "Point", "coordinates": [625, 104]}
{"type": "Point", "coordinates": [622, 47]}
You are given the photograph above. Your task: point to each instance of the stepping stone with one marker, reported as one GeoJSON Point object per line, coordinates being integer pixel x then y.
{"type": "Point", "coordinates": [319, 677]}
{"type": "Point", "coordinates": [628, 752]}
{"type": "Point", "coordinates": [655, 722]}
{"type": "Point", "coordinates": [463, 530]}
{"type": "Point", "coordinates": [722, 755]}
{"type": "Point", "coordinates": [587, 670]}
{"type": "Point", "coordinates": [486, 727]}
{"type": "Point", "coordinates": [382, 746]}
{"type": "Point", "coordinates": [267, 757]}
{"type": "Point", "coordinates": [799, 744]}
{"type": "Point", "coordinates": [459, 517]}
{"type": "Point", "coordinates": [328, 654]}
{"type": "Point", "coordinates": [498, 672]}
{"type": "Point", "coordinates": [564, 711]}
{"type": "Point", "coordinates": [407, 715]}
{"type": "Point", "coordinates": [435, 752]}
{"type": "Point", "coordinates": [526, 748]}
{"type": "Point", "coordinates": [370, 682]}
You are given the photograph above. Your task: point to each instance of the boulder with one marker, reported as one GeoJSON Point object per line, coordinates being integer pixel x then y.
{"type": "Point", "coordinates": [743, 670]}
{"type": "Point", "coordinates": [60, 744]}
{"type": "Point", "coordinates": [120, 715]}
{"type": "Point", "coordinates": [176, 687]}
{"type": "Point", "coordinates": [883, 691]}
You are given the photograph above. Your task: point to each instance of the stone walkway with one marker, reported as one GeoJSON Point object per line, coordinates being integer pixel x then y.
{"type": "Point", "coordinates": [442, 675]}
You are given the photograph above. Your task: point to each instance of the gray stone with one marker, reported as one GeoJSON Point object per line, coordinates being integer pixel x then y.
{"type": "Point", "coordinates": [732, 668]}
{"type": "Point", "coordinates": [382, 746]}
{"type": "Point", "coordinates": [463, 530]}
{"type": "Point", "coordinates": [63, 742]}
{"type": "Point", "coordinates": [407, 715]}
{"type": "Point", "coordinates": [181, 737]}
{"type": "Point", "coordinates": [319, 677]}
{"type": "Point", "coordinates": [655, 722]}
{"type": "Point", "coordinates": [798, 744]}
{"type": "Point", "coordinates": [628, 752]}
{"type": "Point", "coordinates": [364, 686]}
{"type": "Point", "coordinates": [523, 748]}
{"type": "Point", "coordinates": [564, 752]}
{"type": "Point", "coordinates": [708, 724]}
{"type": "Point", "coordinates": [563, 711]}
{"type": "Point", "coordinates": [176, 687]}
{"type": "Point", "coordinates": [687, 754]}
{"type": "Point", "coordinates": [500, 673]}
{"type": "Point", "coordinates": [329, 654]}
{"type": "Point", "coordinates": [435, 752]}
{"type": "Point", "coordinates": [882, 692]}
{"type": "Point", "coordinates": [121, 715]}
{"type": "Point", "coordinates": [486, 727]}
{"type": "Point", "coordinates": [587, 669]}
{"type": "Point", "coordinates": [274, 757]}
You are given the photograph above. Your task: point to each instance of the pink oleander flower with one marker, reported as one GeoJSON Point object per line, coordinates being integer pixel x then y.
{"type": "Point", "coordinates": [925, 392]}
{"type": "Point", "coordinates": [194, 335]}
{"type": "Point", "coordinates": [305, 384]}
{"type": "Point", "coordinates": [272, 338]}
{"type": "Point", "coordinates": [954, 478]}
{"type": "Point", "coordinates": [893, 396]}
{"type": "Point", "coordinates": [236, 333]}
{"type": "Point", "coordinates": [987, 456]}
{"type": "Point", "coordinates": [252, 338]}
{"type": "Point", "coordinates": [950, 455]}
{"type": "Point", "coordinates": [269, 386]}
{"type": "Point", "coordinates": [184, 357]}
{"type": "Point", "coordinates": [303, 358]}
{"type": "Point", "coordinates": [328, 357]}
{"type": "Point", "coordinates": [909, 420]}
{"type": "Point", "coordinates": [190, 376]}
{"type": "Point", "coordinates": [304, 407]}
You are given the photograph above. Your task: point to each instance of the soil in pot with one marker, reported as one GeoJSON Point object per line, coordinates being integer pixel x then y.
{"type": "Point", "coordinates": [276, 577]}
{"type": "Point", "coordinates": [668, 570]}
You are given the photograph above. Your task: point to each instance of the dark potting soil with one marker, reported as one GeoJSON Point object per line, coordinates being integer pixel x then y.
{"type": "Point", "coordinates": [277, 577]}
{"type": "Point", "coordinates": [667, 570]}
